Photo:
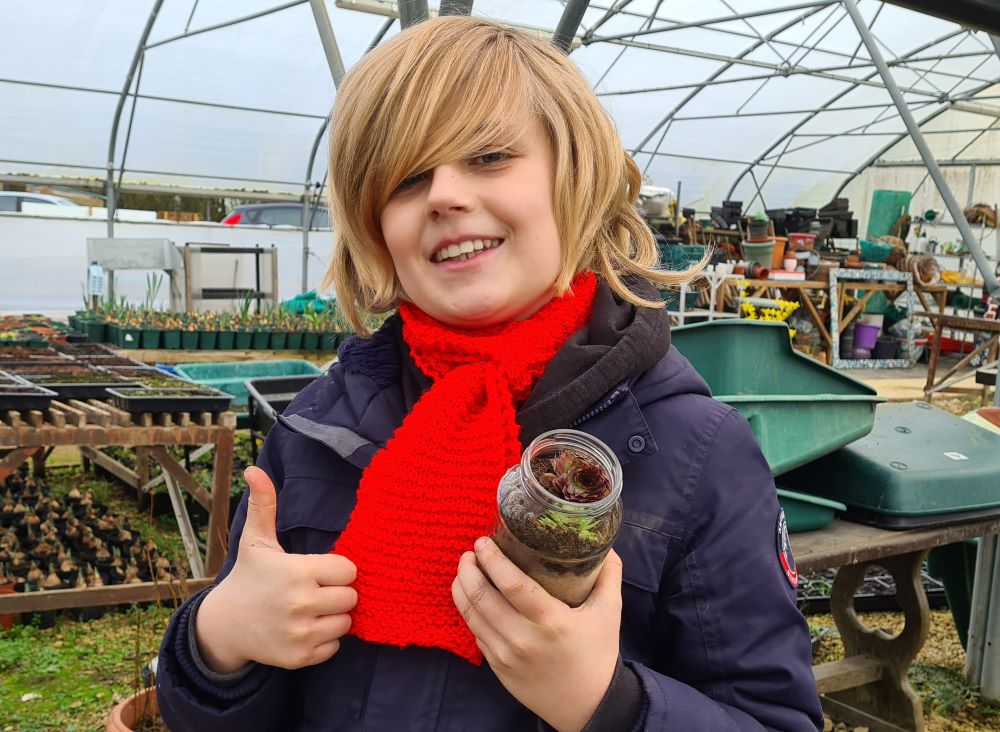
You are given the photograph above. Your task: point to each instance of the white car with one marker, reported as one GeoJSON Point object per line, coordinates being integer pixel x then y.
{"type": "Point", "coordinates": [15, 200]}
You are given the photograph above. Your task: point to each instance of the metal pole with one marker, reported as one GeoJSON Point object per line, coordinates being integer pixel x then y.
{"type": "Point", "coordinates": [569, 24]}
{"type": "Point", "coordinates": [455, 7]}
{"type": "Point", "coordinates": [328, 40]}
{"type": "Point", "coordinates": [996, 44]}
{"type": "Point", "coordinates": [958, 215]}
{"type": "Point", "coordinates": [110, 180]}
{"type": "Point", "coordinates": [411, 12]}
{"type": "Point", "coordinates": [336, 64]}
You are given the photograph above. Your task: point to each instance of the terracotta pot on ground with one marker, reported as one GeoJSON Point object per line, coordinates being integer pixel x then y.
{"type": "Point", "coordinates": [128, 715]}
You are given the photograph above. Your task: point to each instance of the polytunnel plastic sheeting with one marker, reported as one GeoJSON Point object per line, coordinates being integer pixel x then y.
{"type": "Point", "coordinates": [773, 99]}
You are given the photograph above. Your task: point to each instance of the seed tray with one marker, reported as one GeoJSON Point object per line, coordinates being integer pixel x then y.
{"type": "Point", "coordinates": [18, 395]}
{"type": "Point", "coordinates": [169, 400]}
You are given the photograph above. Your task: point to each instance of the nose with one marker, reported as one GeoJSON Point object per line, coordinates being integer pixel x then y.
{"type": "Point", "coordinates": [449, 192]}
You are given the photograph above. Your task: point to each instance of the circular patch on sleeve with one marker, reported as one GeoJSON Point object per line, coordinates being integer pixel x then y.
{"type": "Point", "coordinates": [784, 547]}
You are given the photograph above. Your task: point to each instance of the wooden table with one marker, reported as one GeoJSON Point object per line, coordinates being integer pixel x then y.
{"type": "Point", "coordinates": [757, 288]}
{"type": "Point", "coordinates": [869, 686]}
{"type": "Point", "coordinates": [91, 424]}
{"type": "Point", "coordinates": [961, 370]}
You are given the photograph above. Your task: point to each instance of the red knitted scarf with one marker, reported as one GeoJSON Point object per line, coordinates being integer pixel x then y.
{"type": "Point", "coordinates": [431, 492]}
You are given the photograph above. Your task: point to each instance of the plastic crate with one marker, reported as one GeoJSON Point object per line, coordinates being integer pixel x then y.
{"type": "Point", "coordinates": [231, 376]}
{"type": "Point", "coordinates": [798, 409]}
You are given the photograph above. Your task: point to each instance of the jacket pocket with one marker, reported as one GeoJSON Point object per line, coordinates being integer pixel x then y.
{"type": "Point", "coordinates": [643, 545]}
{"type": "Point", "coordinates": [312, 512]}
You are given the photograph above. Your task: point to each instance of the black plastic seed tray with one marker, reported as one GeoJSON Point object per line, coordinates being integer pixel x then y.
{"type": "Point", "coordinates": [270, 395]}
{"type": "Point", "coordinates": [169, 400]}
{"type": "Point", "coordinates": [17, 394]}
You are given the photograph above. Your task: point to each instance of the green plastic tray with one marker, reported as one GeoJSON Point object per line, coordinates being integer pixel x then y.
{"type": "Point", "coordinates": [804, 512]}
{"type": "Point", "coordinates": [919, 466]}
{"type": "Point", "coordinates": [230, 376]}
{"type": "Point", "coordinates": [798, 409]}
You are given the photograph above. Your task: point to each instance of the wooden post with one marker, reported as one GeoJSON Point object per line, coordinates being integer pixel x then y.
{"type": "Point", "coordinates": [218, 522]}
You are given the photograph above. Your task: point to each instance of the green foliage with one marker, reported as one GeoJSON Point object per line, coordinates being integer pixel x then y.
{"type": "Point", "coordinates": [79, 669]}
{"type": "Point", "coordinates": [582, 527]}
{"type": "Point", "coordinates": [944, 692]}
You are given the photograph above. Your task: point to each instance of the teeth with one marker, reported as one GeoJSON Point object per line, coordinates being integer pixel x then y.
{"type": "Point", "coordinates": [465, 250]}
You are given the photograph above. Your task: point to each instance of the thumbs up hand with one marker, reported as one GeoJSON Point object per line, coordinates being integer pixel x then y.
{"type": "Point", "coordinates": [286, 610]}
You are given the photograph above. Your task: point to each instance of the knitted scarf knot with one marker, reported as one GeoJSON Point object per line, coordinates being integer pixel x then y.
{"type": "Point", "coordinates": [431, 492]}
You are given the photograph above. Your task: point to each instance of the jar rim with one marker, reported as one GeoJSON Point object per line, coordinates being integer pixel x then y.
{"type": "Point", "coordinates": [578, 440]}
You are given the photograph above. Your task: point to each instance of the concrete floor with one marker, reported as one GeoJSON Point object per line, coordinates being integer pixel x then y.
{"type": "Point", "coordinates": [907, 384]}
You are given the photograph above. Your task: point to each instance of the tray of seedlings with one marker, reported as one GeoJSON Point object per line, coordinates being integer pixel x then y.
{"type": "Point", "coordinates": [71, 380]}
{"type": "Point", "coordinates": [151, 377]}
{"type": "Point", "coordinates": [192, 398]}
{"type": "Point", "coordinates": [30, 355]}
{"type": "Point", "coordinates": [19, 395]}
{"type": "Point", "coordinates": [84, 349]}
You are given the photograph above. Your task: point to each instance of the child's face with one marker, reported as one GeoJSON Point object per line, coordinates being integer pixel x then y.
{"type": "Point", "coordinates": [499, 207]}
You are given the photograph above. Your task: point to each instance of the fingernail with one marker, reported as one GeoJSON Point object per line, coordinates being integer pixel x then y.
{"type": "Point", "coordinates": [480, 543]}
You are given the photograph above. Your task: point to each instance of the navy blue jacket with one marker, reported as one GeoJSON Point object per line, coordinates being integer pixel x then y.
{"type": "Point", "coordinates": [709, 627]}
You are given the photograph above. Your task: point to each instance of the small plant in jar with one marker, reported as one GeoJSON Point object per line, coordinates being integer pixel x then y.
{"type": "Point", "coordinates": [560, 511]}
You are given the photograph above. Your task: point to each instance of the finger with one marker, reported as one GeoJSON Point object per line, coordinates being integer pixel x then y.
{"type": "Point", "coordinates": [262, 511]}
{"type": "Point", "coordinates": [331, 569]}
{"type": "Point", "coordinates": [608, 587]}
{"type": "Point", "coordinates": [335, 600]}
{"type": "Point", "coordinates": [485, 634]}
{"type": "Point", "coordinates": [522, 592]}
{"type": "Point", "coordinates": [327, 628]}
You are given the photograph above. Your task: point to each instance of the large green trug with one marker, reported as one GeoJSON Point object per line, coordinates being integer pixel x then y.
{"type": "Point", "coordinates": [919, 466]}
{"type": "Point", "coordinates": [798, 408]}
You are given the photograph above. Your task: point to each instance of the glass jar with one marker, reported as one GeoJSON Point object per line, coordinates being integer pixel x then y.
{"type": "Point", "coordinates": [559, 511]}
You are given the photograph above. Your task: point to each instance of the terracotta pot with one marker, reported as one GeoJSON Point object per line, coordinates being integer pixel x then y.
{"type": "Point", "coordinates": [126, 715]}
{"type": "Point", "coordinates": [7, 619]}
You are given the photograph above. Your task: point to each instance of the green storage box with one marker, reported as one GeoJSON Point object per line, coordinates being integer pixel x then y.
{"type": "Point", "coordinates": [919, 466]}
{"type": "Point", "coordinates": [804, 512]}
{"type": "Point", "coordinates": [798, 408]}
{"type": "Point", "coordinates": [231, 375]}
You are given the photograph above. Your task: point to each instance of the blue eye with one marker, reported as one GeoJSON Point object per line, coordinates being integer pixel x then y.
{"type": "Point", "coordinates": [492, 158]}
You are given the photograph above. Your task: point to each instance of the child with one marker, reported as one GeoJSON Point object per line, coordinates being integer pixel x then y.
{"type": "Point", "coordinates": [479, 187]}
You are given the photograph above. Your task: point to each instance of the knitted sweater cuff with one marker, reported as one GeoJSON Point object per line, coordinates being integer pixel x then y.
{"type": "Point", "coordinates": [225, 688]}
{"type": "Point", "coordinates": [623, 707]}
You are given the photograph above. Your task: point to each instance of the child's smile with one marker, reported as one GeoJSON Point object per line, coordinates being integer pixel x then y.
{"type": "Point", "coordinates": [474, 242]}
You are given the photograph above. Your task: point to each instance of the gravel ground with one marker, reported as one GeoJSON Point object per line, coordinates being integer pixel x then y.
{"type": "Point", "coordinates": [936, 675]}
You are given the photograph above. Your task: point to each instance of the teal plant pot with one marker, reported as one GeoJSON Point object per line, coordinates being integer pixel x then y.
{"type": "Point", "coordinates": [226, 340]}
{"type": "Point", "coordinates": [279, 339]}
{"type": "Point", "coordinates": [243, 340]}
{"type": "Point", "coordinates": [207, 340]}
{"type": "Point", "coordinates": [294, 340]}
{"type": "Point", "coordinates": [329, 341]}
{"type": "Point", "coordinates": [261, 340]}
{"type": "Point", "coordinates": [129, 337]}
{"type": "Point", "coordinates": [310, 341]}
{"type": "Point", "coordinates": [151, 337]}
{"type": "Point", "coordinates": [189, 340]}
{"type": "Point", "coordinates": [171, 338]}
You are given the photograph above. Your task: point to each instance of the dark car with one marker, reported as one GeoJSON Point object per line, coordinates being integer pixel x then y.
{"type": "Point", "coordinates": [276, 214]}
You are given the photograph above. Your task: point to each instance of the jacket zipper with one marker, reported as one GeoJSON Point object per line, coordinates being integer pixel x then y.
{"type": "Point", "coordinates": [612, 398]}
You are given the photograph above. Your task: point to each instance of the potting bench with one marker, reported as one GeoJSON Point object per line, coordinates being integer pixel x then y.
{"type": "Point", "coordinates": [962, 370]}
{"type": "Point", "coordinates": [91, 424]}
{"type": "Point", "coordinates": [869, 686]}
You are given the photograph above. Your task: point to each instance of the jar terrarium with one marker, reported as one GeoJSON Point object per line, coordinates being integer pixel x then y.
{"type": "Point", "coordinates": [559, 511]}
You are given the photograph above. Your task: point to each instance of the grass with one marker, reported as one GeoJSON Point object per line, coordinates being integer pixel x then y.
{"type": "Point", "coordinates": [78, 670]}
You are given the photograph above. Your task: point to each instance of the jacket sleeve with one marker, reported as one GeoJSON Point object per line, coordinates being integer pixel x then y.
{"type": "Point", "coordinates": [191, 697]}
{"type": "Point", "coordinates": [732, 648]}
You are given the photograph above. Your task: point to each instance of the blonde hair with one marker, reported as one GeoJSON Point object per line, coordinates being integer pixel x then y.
{"type": "Point", "coordinates": [453, 87]}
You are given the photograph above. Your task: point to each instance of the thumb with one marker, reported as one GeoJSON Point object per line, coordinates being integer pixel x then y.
{"type": "Point", "coordinates": [608, 587]}
{"type": "Point", "coordinates": [262, 511]}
